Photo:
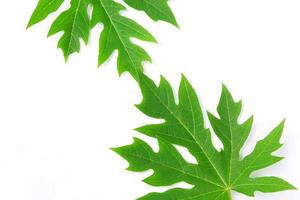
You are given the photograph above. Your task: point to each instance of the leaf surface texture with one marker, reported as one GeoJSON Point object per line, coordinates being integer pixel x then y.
{"type": "Point", "coordinates": [76, 25]}
{"type": "Point", "coordinates": [216, 173]}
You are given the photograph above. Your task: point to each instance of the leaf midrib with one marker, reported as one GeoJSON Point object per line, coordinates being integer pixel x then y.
{"type": "Point", "coordinates": [175, 169]}
{"type": "Point", "coordinates": [73, 26]}
{"type": "Point", "coordinates": [247, 168]}
{"type": "Point", "coordinates": [230, 130]}
{"type": "Point", "coordinates": [260, 184]}
{"type": "Point", "coordinates": [120, 38]}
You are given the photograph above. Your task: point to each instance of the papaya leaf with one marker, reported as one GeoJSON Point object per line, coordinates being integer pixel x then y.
{"type": "Point", "coordinates": [216, 173]}
{"type": "Point", "coordinates": [76, 25]}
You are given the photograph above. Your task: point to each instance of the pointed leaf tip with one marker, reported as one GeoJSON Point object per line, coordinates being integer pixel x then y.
{"type": "Point", "coordinates": [183, 77]}
{"type": "Point", "coordinates": [225, 90]}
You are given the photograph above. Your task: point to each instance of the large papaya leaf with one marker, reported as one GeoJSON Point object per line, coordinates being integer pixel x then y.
{"type": "Point", "coordinates": [217, 173]}
{"type": "Point", "coordinates": [76, 24]}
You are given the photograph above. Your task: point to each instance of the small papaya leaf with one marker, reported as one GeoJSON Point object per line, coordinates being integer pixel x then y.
{"type": "Point", "coordinates": [216, 173]}
{"type": "Point", "coordinates": [118, 31]}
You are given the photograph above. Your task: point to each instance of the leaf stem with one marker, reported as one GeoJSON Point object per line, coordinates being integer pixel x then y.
{"type": "Point", "coordinates": [229, 195]}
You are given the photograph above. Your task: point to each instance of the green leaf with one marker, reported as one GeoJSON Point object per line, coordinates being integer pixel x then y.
{"type": "Point", "coordinates": [156, 9]}
{"type": "Point", "coordinates": [76, 25]}
{"type": "Point", "coordinates": [216, 173]}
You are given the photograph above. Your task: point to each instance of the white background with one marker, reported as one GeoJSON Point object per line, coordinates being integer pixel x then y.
{"type": "Point", "coordinates": [58, 121]}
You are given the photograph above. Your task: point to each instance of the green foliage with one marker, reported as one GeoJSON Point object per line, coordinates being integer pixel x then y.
{"type": "Point", "coordinates": [216, 173]}
{"type": "Point", "coordinates": [76, 24]}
